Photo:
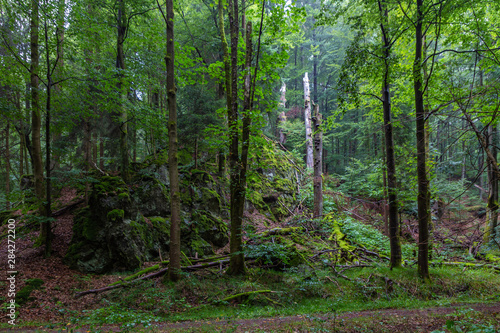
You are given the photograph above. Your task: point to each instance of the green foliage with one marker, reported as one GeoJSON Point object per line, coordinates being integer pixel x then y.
{"type": "Point", "coordinates": [363, 179]}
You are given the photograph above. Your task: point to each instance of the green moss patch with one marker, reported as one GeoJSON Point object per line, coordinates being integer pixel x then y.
{"type": "Point", "coordinates": [23, 295]}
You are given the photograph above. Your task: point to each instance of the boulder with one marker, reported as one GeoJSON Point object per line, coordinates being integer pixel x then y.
{"type": "Point", "coordinates": [126, 225]}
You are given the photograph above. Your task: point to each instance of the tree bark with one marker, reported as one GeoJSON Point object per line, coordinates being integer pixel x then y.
{"type": "Point", "coordinates": [492, 207]}
{"type": "Point", "coordinates": [47, 225]}
{"type": "Point", "coordinates": [282, 117]}
{"type": "Point", "coordinates": [318, 163]}
{"type": "Point", "coordinates": [307, 120]}
{"type": "Point", "coordinates": [394, 227]}
{"type": "Point", "coordinates": [423, 182]}
{"type": "Point", "coordinates": [175, 199]}
{"type": "Point", "coordinates": [7, 165]}
{"type": "Point", "coordinates": [122, 110]}
{"type": "Point", "coordinates": [36, 118]}
{"type": "Point", "coordinates": [237, 261]}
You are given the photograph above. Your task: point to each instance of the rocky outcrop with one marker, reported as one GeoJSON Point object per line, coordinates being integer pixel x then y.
{"type": "Point", "coordinates": [126, 225]}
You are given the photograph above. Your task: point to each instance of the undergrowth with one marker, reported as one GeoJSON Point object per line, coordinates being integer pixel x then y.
{"type": "Point", "coordinates": [297, 290]}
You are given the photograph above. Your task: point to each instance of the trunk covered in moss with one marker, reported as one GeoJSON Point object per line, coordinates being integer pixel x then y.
{"type": "Point", "coordinates": [175, 199]}
{"type": "Point", "coordinates": [318, 163]}
{"type": "Point", "coordinates": [237, 262]}
{"type": "Point", "coordinates": [122, 92]}
{"type": "Point", "coordinates": [492, 207]}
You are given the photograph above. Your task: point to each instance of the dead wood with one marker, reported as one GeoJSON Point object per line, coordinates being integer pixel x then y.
{"type": "Point", "coordinates": [149, 276]}
{"type": "Point", "coordinates": [67, 208]}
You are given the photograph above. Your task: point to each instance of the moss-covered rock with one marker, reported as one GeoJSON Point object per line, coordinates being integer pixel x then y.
{"type": "Point", "coordinates": [273, 185]}
{"type": "Point", "coordinates": [23, 295]}
{"type": "Point", "coordinates": [126, 225]}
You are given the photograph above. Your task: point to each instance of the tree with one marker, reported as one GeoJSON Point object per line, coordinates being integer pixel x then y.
{"type": "Point", "coordinates": [307, 120]}
{"type": "Point", "coordinates": [122, 26]}
{"type": "Point", "coordinates": [420, 118]}
{"type": "Point", "coordinates": [175, 197]}
{"type": "Point", "coordinates": [394, 228]}
{"type": "Point", "coordinates": [318, 163]}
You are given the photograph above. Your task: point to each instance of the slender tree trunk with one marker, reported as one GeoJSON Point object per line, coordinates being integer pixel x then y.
{"type": "Point", "coordinates": [94, 148]}
{"type": "Point", "coordinates": [122, 112]}
{"type": "Point", "coordinates": [22, 148]}
{"type": "Point", "coordinates": [282, 117]}
{"type": "Point", "coordinates": [47, 235]}
{"type": "Point", "coordinates": [175, 199]}
{"type": "Point", "coordinates": [7, 165]}
{"type": "Point", "coordinates": [307, 119]}
{"type": "Point", "coordinates": [36, 117]}
{"type": "Point", "coordinates": [318, 163]}
{"type": "Point", "coordinates": [237, 262]}
{"type": "Point", "coordinates": [423, 182]}
{"type": "Point", "coordinates": [101, 152]}
{"type": "Point", "coordinates": [227, 78]}
{"type": "Point", "coordinates": [394, 227]}
{"type": "Point", "coordinates": [87, 135]}
{"type": "Point", "coordinates": [492, 207]}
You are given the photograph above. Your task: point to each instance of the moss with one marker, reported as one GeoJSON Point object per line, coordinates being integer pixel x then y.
{"type": "Point", "coordinates": [110, 185]}
{"type": "Point", "coordinates": [161, 224]}
{"type": "Point", "coordinates": [200, 246]}
{"type": "Point", "coordinates": [116, 214]}
{"type": "Point", "coordinates": [340, 238]}
{"type": "Point", "coordinates": [124, 196]}
{"type": "Point", "coordinates": [85, 225]}
{"type": "Point", "coordinates": [5, 216]}
{"type": "Point", "coordinates": [140, 230]}
{"type": "Point", "coordinates": [23, 295]}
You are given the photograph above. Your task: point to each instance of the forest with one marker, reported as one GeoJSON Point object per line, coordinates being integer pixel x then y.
{"type": "Point", "coordinates": [249, 165]}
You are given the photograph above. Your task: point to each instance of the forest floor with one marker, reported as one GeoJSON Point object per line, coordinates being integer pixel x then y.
{"type": "Point", "coordinates": [51, 307]}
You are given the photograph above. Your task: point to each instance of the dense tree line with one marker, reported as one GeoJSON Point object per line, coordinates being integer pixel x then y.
{"type": "Point", "coordinates": [407, 93]}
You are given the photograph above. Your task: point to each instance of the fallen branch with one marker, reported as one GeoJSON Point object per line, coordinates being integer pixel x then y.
{"type": "Point", "coordinates": [323, 252]}
{"type": "Point", "coordinates": [354, 266]}
{"type": "Point", "coordinates": [281, 231]}
{"type": "Point", "coordinates": [149, 276]}
{"type": "Point", "coordinates": [244, 295]}
{"type": "Point", "coordinates": [144, 271]}
{"type": "Point", "coordinates": [67, 208]}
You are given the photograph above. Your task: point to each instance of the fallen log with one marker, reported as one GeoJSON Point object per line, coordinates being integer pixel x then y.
{"type": "Point", "coordinates": [67, 208]}
{"type": "Point", "coordinates": [161, 272]}
{"type": "Point", "coordinates": [281, 231]}
{"type": "Point", "coordinates": [244, 295]}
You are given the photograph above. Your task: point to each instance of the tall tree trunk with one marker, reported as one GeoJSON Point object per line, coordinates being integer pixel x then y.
{"type": "Point", "coordinates": [122, 112]}
{"type": "Point", "coordinates": [307, 120]}
{"type": "Point", "coordinates": [7, 165]}
{"type": "Point", "coordinates": [36, 117]}
{"type": "Point", "coordinates": [22, 148]}
{"type": "Point", "coordinates": [227, 76]}
{"type": "Point", "coordinates": [87, 138]}
{"type": "Point", "coordinates": [423, 182]}
{"type": "Point", "coordinates": [47, 235]}
{"type": "Point", "coordinates": [318, 163]}
{"type": "Point", "coordinates": [101, 152]}
{"type": "Point", "coordinates": [282, 117]}
{"type": "Point", "coordinates": [175, 198]}
{"type": "Point", "coordinates": [237, 261]}
{"type": "Point", "coordinates": [394, 227]}
{"type": "Point", "coordinates": [492, 207]}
